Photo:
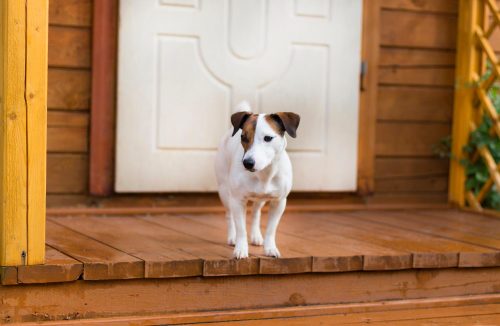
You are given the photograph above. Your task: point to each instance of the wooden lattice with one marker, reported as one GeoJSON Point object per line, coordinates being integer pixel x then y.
{"type": "Point", "coordinates": [478, 21]}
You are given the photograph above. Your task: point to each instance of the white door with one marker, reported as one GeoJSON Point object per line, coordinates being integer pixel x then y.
{"type": "Point", "coordinates": [184, 64]}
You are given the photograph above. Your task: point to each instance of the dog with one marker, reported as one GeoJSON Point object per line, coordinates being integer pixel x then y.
{"type": "Point", "coordinates": [252, 165]}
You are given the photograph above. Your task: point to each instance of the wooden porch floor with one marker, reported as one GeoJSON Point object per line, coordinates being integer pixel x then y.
{"type": "Point", "coordinates": [183, 245]}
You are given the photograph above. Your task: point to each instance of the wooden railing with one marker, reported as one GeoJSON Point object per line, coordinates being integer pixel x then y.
{"type": "Point", "coordinates": [478, 20]}
{"type": "Point", "coordinates": [23, 124]}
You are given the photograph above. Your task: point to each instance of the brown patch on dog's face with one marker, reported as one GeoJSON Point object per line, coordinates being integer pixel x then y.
{"type": "Point", "coordinates": [248, 131]}
{"type": "Point", "coordinates": [275, 125]}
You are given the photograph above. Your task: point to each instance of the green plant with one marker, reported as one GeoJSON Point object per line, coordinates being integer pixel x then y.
{"type": "Point", "coordinates": [476, 170]}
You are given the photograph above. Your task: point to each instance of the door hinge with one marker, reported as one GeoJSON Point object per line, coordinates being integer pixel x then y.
{"type": "Point", "coordinates": [362, 75]}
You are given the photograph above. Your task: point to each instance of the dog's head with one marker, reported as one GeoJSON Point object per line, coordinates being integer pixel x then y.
{"type": "Point", "coordinates": [263, 136]}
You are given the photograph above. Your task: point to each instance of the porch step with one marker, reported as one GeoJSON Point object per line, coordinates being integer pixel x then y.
{"type": "Point", "coordinates": [480, 309]}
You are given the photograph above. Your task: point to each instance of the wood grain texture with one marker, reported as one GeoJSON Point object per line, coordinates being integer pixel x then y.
{"type": "Point", "coordinates": [401, 103]}
{"type": "Point", "coordinates": [13, 134]}
{"type": "Point", "coordinates": [58, 267]}
{"type": "Point", "coordinates": [410, 76]}
{"type": "Point", "coordinates": [468, 63]}
{"type": "Point", "coordinates": [100, 261]}
{"type": "Point", "coordinates": [8, 275]}
{"type": "Point", "coordinates": [68, 89]}
{"type": "Point", "coordinates": [70, 12]}
{"type": "Point", "coordinates": [368, 96]}
{"type": "Point", "coordinates": [69, 47]}
{"type": "Point", "coordinates": [67, 131]}
{"type": "Point", "coordinates": [409, 139]}
{"type": "Point", "coordinates": [36, 128]}
{"type": "Point", "coordinates": [165, 253]}
{"type": "Point", "coordinates": [114, 299]}
{"type": "Point", "coordinates": [293, 312]}
{"type": "Point", "coordinates": [441, 6]}
{"type": "Point", "coordinates": [67, 173]}
{"type": "Point", "coordinates": [417, 30]}
{"type": "Point", "coordinates": [104, 61]}
{"type": "Point", "coordinates": [408, 57]}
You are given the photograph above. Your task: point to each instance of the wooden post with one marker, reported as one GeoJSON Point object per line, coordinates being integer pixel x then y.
{"type": "Point", "coordinates": [468, 64]}
{"type": "Point", "coordinates": [23, 89]}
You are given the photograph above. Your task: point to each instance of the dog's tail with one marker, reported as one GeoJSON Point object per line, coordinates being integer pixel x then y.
{"type": "Point", "coordinates": [243, 106]}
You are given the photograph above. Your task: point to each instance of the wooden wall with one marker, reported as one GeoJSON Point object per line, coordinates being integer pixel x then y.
{"type": "Point", "coordinates": [415, 100]}
{"type": "Point", "coordinates": [417, 41]}
{"type": "Point", "coordinates": [68, 99]}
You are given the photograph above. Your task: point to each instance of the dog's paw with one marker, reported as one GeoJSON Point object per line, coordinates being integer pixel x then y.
{"type": "Point", "coordinates": [231, 240]}
{"type": "Point", "coordinates": [272, 252]}
{"type": "Point", "coordinates": [256, 238]}
{"type": "Point", "coordinates": [240, 251]}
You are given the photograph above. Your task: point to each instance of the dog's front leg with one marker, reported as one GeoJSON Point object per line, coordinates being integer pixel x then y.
{"type": "Point", "coordinates": [276, 209]}
{"type": "Point", "coordinates": [239, 212]}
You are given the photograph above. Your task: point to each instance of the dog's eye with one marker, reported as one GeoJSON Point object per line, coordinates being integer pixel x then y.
{"type": "Point", "coordinates": [267, 139]}
{"type": "Point", "coordinates": [244, 138]}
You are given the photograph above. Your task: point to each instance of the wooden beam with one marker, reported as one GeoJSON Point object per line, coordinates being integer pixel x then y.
{"type": "Point", "coordinates": [37, 22]}
{"type": "Point", "coordinates": [23, 88]}
{"type": "Point", "coordinates": [368, 97]}
{"type": "Point", "coordinates": [13, 173]}
{"type": "Point", "coordinates": [468, 64]}
{"type": "Point", "coordinates": [102, 129]}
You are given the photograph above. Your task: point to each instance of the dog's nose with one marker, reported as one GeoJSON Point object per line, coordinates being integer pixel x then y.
{"type": "Point", "coordinates": [249, 163]}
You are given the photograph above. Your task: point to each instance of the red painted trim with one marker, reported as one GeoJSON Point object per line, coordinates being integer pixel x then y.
{"type": "Point", "coordinates": [102, 128]}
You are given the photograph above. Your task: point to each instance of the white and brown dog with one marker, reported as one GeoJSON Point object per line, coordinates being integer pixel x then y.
{"type": "Point", "coordinates": [254, 166]}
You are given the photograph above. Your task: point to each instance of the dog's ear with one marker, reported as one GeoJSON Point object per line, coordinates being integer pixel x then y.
{"type": "Point", "coordinates": [238, 119]}
{"type": "Point", "coordinates": [289, 121]}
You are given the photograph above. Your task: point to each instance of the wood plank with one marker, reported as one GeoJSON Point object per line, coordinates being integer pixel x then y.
{"type": "Point", "coordinates": [412, 184]}
{"type": "Point", "coordinates": [13, 134]}
{"type": "Point", "coordinates": [414, 104]}
{"type": "Point", "coordinates": [69, 47]}
{"type": "Point", "coordinates": [423, 58]}
{"type": "Point", "coordinates": [297, 311]}
{"type": "Point", "coordinates": [410, 167]}
{"type": "Point", "coordinates": [68, 131]}
{"type": "Point", "coordinates": [68, 89]}
{"type": "Point", "coordinates": [70, 12]}
{"type": "Point", "coordinates": [100, 261]}
{"type": "Point", "coordinates": [210, 236]}
{"type": "Point", "coordinates": [410, 76]}
{"type": "Point", "coordinates": [163, 296]}
{"type": "Point", "coordinates": [62, 200]}
{"type": "Point", "coordinates": [104, 63]}
{"type": "Point", "coordinates": [36, 128]}
{"type": "Point", "coordinates": [8, 275]}
{"type": "Point", "coordinates": [468, 222]}
{"type": "Point", "coordinates": [435, 316]}
{"type": "Point", "coordinates": [428, 251]}
{"type": "Point", "coordinates": [58, 267]}
{"type": "Point", "coordinates": [211, 228]}
{"type": "Point", "coordinates": [331, 251]}
{"type": "Point", "coordinates": [67, 173]}
{"type": "Point", "coordinates": [441, 6]}
{"type": "Point", "coordinates": [368, 96]}
{"type": "Point", "coordinates": [56, 118]}
{"type": "Point", "coordinates": [413, 139]}
{"type": "Point", "coordinates": [410, 198]}
{"type": "Point", "coordinates": [67, 139]}
{"type": "Point", "coordinates": [442, 229]}
{"type": "Point", "coordinates": [165, 253]}
{"type": "Point", "coordinates": [421, 30]}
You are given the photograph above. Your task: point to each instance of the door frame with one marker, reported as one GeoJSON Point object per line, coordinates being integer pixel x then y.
{"type": "Point", "coordinates": [103, 99]}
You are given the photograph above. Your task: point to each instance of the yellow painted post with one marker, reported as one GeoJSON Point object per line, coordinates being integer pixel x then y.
{"type": "Point", "coordinates": [468, 65]}
{"type": "Point", "coordinates": [37, 24]}
{"type": "Point", "coordinates": [23, 87]}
